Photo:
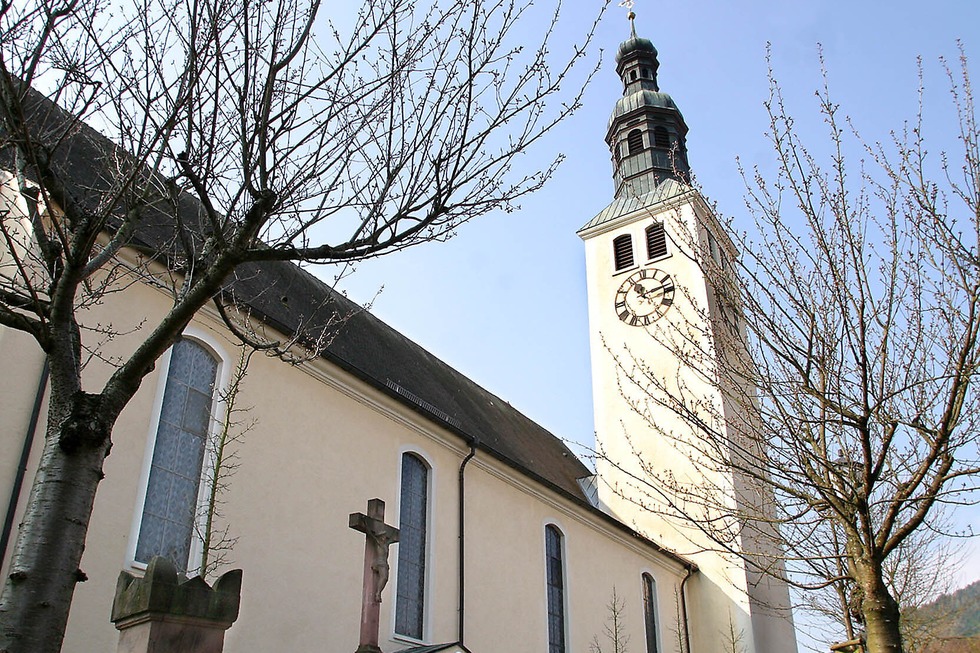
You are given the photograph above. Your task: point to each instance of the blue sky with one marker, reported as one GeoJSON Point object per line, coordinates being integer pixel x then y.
{"type": "Point", "coordinates": [504, 301]}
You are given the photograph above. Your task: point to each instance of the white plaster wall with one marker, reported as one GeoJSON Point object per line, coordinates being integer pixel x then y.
{"type": "Point", "coordinates": [633, 445]}
{"type": "Point", "coordinates": [323, 445]}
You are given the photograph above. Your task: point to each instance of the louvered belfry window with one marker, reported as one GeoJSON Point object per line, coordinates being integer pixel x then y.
{"type": "Point", "coordinates": [635, 141]}
{"type": "Point", "coordinates": [623, 251]}
{"type": "Point", "coordinates": [656, 241]}
{"type": "Point", "coordinates": [413, 526]}
{"type": "Point", "coordinates": [660, 137]}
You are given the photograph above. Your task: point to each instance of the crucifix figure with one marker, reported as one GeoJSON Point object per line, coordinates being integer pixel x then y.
{"type": "Point", "coordinates": [378, 538]}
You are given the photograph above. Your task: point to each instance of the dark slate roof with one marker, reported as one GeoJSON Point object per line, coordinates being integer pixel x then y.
{"type": "Point", "coordinates": [288, 298]}
{"type": "Point", "coordinates": [642, 99]}
{"type": "Point", "coordinates": [635, 44]}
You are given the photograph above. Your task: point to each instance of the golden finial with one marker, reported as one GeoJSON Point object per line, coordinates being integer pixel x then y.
{"type": "Point", "coordinates": [628, 4]}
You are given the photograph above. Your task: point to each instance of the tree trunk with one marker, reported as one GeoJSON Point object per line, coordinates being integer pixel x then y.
{"type": "Point", "coordinates": [882, 617]}
{"type": "Point", "coordinates": [45, 563]}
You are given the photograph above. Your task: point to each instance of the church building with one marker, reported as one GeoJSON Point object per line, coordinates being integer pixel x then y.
{"type": "Point", "coordinates": [507, 541]}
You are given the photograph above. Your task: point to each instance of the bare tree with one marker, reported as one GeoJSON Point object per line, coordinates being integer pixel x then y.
{"type": "Point", "coordinates": [615, 628]}
{"type": "Point", "coordinates": [844, 343]}
{"type": "Point", "coordinates": [216, 536]}
{"type": "Point", "coordinates": [733, 637]}
{"type": "Point", "coordinates": [234, 135]}
{"type": "Point", "coordinates": [917, 573]}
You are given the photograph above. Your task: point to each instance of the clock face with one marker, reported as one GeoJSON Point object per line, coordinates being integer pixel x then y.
{"type": "Point", "coordinates": [644, 296]}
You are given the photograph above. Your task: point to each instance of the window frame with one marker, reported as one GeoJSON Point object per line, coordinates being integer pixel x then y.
{"type": "Point", "coordinates": [426, 550]}
{"type": "Point", "coordinates": [560, 647]}
{"type": "Point", "coordinates": [221, 381]}
{"type": "Point", "coordinates": [651, 612]}
{"type": "Point", "coordinates": [714, 248]}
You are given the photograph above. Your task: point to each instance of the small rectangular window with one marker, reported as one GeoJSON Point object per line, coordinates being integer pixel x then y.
{"type": "Point", "coordinates": [713, 249]}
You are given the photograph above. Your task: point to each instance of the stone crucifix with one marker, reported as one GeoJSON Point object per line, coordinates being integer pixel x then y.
{"type": "Point", "coordinates": [378, 537]}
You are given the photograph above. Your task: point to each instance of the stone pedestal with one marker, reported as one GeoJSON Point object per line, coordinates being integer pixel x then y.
{"type": "Point", "coordinates": [367, 648]}
{"type": "Point", "coordinates": [163, 612]}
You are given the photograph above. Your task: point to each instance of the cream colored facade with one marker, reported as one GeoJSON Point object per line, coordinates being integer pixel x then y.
{"type": "Point", "coordinates": [323, 444]}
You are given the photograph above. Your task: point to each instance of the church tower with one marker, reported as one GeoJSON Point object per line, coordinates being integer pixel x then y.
{"type": "Point", "coordinates": [660, 321]}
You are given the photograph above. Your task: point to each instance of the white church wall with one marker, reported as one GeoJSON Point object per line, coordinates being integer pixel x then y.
{"type": "Point", "coordinates": [324, 443]}
{"type": "Point", "coordinates": [674, 349]}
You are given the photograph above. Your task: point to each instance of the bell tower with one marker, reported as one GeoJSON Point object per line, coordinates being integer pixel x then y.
{"type": "Point", "coordinates": [646, 132]}
{"type": "Point", "coordinates": [657, 265]}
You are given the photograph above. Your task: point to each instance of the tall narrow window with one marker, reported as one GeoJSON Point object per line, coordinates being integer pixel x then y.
{"type": "Point", "coordinates": [413, 507]}
{"type": "Point", "coordinates": [660, 137]}
{"type": "Point", "coordinates": [713, 248]}
{"type": "Point", "coordinates": [556, 590]}
{"type": "Point", "coordinates": [623, 251]}
{"type": "Point", "coordinates": [635, 141]}
{"type": "Point", "coordinates": [170, 506]}
{"type": "Point", "coordinates": [650, 612]}
{"type": "Point", "coordinates": [656, 241]}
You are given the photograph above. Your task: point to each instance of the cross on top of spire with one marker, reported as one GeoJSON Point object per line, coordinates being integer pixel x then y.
{"type": "Point", "coordinates": [628, 4]}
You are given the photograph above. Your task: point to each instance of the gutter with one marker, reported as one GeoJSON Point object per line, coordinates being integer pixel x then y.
{"type": "Point", "coordinates": [25, 454]}
{"type": "Point", "coordinates": [687, 631]}
{"type": "Point", "coordinates": [462, 543]}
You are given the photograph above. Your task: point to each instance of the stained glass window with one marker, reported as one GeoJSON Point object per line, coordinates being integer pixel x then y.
{"type": "Point", "coordinates": [650, 612]}
{"type": "Point", "coordinates": [556, 590]}
{"type": "Point", "coordinates": [412, 524]}
{"type": "Point", "coordinates": [170, 507]}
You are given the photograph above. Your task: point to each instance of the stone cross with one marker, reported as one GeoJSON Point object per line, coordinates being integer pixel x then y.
{"type": "Point", "coordinates": [378, 537]}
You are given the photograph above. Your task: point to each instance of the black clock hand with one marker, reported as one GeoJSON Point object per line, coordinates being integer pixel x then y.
{"type": "Point", "coordinates": [646, 294]}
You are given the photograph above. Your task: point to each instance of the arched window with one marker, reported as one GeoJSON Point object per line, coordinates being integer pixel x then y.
{"type": "Point", "coordinates": [660, 137]}
{"type": "Point", "coordinates": [556, 589]}
{"type": "Point", "coordinates": [623, 251]}
{"type": "Point", "coordinates": [656, 241]}
{"type": "Point", "coordinates": [413, 527]}
{"type": "Point", "coordinates": [650, 612]}
{"type": "Point", "coordinates": [171, 504]}
{"type": "Point", "coordinates": [634, 141]}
